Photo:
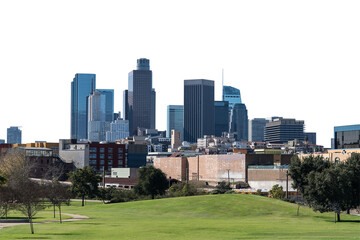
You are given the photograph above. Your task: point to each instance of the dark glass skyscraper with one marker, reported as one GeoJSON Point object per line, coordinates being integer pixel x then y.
{"type": "Point", "coordinates": [175, 119]}
{"type": "Point", "coordinates": [347, 136]}
{"type": "Point", "coordinates": [221, 117]}
{"type": "Point", "coordinates": [81, 87]}
{"type": "Point", "coordinates": [239, 122]}
{"type": "Point", "coordinates": [141, 98]}
{"type": "Point", "coordinates": [257, 129]}
{"type": "Point", "coordinates": [198, 109]}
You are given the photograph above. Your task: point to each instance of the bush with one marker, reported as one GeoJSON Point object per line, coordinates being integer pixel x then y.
{"type": "Point", "coordinates": [223, 187]}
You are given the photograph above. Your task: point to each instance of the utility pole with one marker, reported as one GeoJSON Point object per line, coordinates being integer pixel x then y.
{"type": "Point", "coordinates": [287, 184]}
{"type": "Point", "coordinates": [228, 170]}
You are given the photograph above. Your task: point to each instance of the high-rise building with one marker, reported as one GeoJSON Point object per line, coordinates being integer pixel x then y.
{"type": "Point", "coordinates": [232, 95]}
{"type": "Point", "coordinates": [198, 109]}
{"type": "Point", "coordinates": [221, 117]}
{"type": "Point", "coordinates": [119, 129]}
{"type": "Point", "coordinates": [175, 119]}
{"type": "Point", "coordinates": [347, 136]}
{"type": "Point", "coordinates": [101, 114]}
{"type": "Point", "coordinates": [239, 122]}
{"type": "Point", "coordinates": [282, 130]}
{"type": "Point", "coordinates": [109, 103]}
{"type": "Point", "coordinates": [81, 86]}
{"type": "Point", "coordinates": [310, 137]}
{"type": "Point", "coordinates": [13, 135]}
{"type": "Point", "coordinates": [125, 105]}
{"type": "Point", "coordinates": [140, 109]}
{"type": "Point", "coordinates": [257, 129]}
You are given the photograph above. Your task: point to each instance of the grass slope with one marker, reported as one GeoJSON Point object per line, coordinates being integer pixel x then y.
{"type": "Point", "coordinates": [201, 217]}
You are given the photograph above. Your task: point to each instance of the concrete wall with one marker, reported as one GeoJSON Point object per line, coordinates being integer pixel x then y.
{"type": "Point", "coordinates": [267, 178]}
{"type": "Point", "coordinates": [174, 167]}
{"type": "Point", "coordinates": [213, 168]}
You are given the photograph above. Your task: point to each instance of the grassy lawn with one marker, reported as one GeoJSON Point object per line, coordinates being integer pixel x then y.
{"type": "Point", "coordinates": [202, 217]}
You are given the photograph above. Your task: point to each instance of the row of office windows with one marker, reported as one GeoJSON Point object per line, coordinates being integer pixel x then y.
{"type": "Point", "coordinates": [102, 162]}
{"type": "Point", "coordinates": [102, 150]}
{"type": "Point", "coordinates": [109, 156]}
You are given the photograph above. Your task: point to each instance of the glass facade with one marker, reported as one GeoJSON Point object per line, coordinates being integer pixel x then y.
{"type": "Point", "coordinates": [239, 122]}
{"type": "Point", "coordinates": [175, 120]}
{"type": "Point", "coordinates": [13, 135]}
{"type": "Point", "coordinates": [257, 129]}
{"type": "Point", "coordinates": [232, 95]}
{"type": "Point", "coordinates": [119, 129]}
{"type": "Point", "coordinates": [198, 109]}
{"type": "Point", "coordinates": [221, 117]}
{"type": "Point", "coordinates": [101, 113]}
{"type": "Point", "coordinates": [347, 136]}
{"type": "Point", "coordinates": [81, 86]}
{"type": "Point", "coordinates": [140, 109]}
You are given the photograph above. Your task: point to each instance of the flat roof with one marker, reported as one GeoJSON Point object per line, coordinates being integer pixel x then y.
{"type": "Point", "coordinates": [347, 128]}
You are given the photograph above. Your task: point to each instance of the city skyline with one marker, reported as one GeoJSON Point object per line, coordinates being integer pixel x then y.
{"type": "Point", "coordinates": [291, 60]}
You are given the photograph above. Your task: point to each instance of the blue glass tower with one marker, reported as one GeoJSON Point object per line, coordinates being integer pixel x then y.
{"type": "Point", "coordinates": [13, 135]}
{"type": "Point", "coordinates": [101, 114]}
{"type": "Point", "coordinates": [239, 122]}
{"type": "Point", "coordinates": [81, 86]}
{"type": "Point", "coordinates": [175, 119]}
{"type": "Point", "coordinates": [232, 95]}
{"type": "Point", "coordinates": [221, 117]}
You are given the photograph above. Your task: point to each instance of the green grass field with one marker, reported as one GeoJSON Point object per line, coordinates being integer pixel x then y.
{"type": "Point", "coordinates": [230, 216]}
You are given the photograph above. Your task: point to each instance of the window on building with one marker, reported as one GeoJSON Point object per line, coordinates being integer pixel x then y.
{"type": "Point", "coordinates": [120, 162]}
{"type": "Point", "coordinates": [92, 155]}
{"type": "Point", "coordinates": [93, 149]}
{"type": "Point", "coordinates": [102, 156]}
{"type": "Point", "coordinates": [110, 150]}
{"type": "Point", "coordinates": [102, 162]}
{"type": "Point", "coordinates": [120, 156]}
{"type": "Point", "coordinates": [102, 150]}
{"type": "Point", "coordinates": [110, 162]}
{"type": "Point", "coordinates": [110, 156]}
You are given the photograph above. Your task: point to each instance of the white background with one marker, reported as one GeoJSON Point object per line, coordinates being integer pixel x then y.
{"type": "Point", "coordinates": [296, 59]}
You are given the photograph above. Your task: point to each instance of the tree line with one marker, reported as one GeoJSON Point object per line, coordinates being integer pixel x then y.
{"type": "Point", "coordinates": [327, 186]}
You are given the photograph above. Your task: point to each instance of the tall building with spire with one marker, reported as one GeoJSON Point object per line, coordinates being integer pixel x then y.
{"type": "Point", "coordinates": [232, 95]}
{"type": "Point", "coordinates": [81, 87]}
{"type": "Point", "coordinates": [140, 108]}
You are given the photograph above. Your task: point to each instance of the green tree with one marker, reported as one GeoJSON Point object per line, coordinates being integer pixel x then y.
{"type": "Point", "coordinates": [58, 195]}
{"type": "Point", "coordinates": [277, 191]}
{"type": "Point", "coordinates": [84, 182]}
{"type": "Point", "coordinates": [327, 186]}
{"type": "Point", "coordinates": [152, 181]}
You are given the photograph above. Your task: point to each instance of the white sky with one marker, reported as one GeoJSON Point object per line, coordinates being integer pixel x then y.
{"type": "Point", "coordinates": [296, 59]}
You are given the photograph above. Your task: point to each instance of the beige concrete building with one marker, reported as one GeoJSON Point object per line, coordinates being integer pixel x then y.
{"type": "Point", "coordinates": [175, 139]}
{"type": "Point", "coordinates": [334, 155]}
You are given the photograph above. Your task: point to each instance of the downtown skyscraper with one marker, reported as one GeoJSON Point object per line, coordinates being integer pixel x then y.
{"type": "Point", "coordinates": [175, 119]}
{"type": "Point", "coordinates": [140, 107]}
{"type": "Point", "coordinates": [101, 114]}
{"type": "Point", "coordinates": [198, 109]}
{"type": "Point", "coordinates": [81, 87]}
{"type": "Point", "coordinates": [13, 135]}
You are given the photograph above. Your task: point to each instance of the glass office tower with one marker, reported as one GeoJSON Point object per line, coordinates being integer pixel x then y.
{"type": "Point", "coordinates": [101, 114]}
{"type": "Point", "coordinates": [175, 120]}
{"type": "Point", "coordinates": [81, 86]}
{"type": "Point", "coordinates": [282, 130]}
{"type": "Point", "coordinates": [347, 136]}
{"type": "Point", "coordinates": [239, 122]}
{"type": "Point", "coordinates": [13, 135]}
{"type": "Point", "coordinates": [140, 109]}
{"type": "Point", "coordinates": [257, 129]}
{"type": "Point", "coordinates": [198, 109]}
{"type": "Point", "coordinates": [232, 95]}
{"type": "Point", "coordinates": [221, 117]}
